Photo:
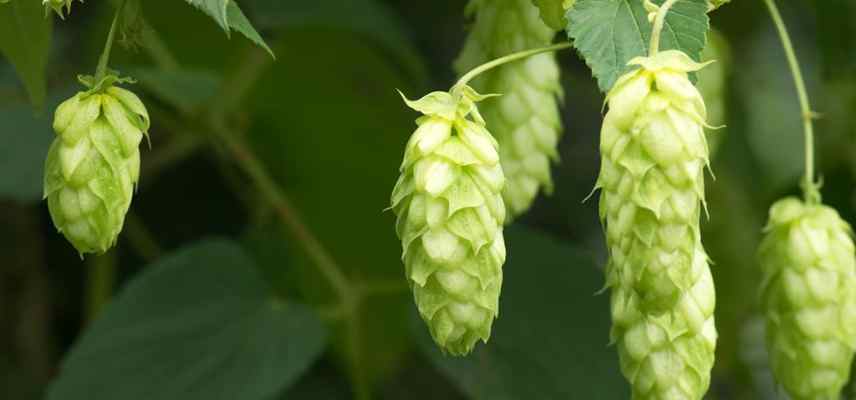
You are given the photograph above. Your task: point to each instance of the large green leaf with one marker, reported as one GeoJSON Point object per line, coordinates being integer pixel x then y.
{"type": "Point", "coordinates": [550, 341]}
{"type": "Point", "coordinates": [25, 40]}
{"type": "Point", "coordinates": [609, 33]}
{"type": "Point", "coordinates": [199, 324]}
{"type": "Point", "coordinates": [229, 16]}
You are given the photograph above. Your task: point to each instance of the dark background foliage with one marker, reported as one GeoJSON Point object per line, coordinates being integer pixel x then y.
{"type": "Point", "coordinates": [211, 292]}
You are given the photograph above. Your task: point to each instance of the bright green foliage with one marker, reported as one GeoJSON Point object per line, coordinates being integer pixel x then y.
{"type": "Point", "coordinates": [711, 84]}
{"type": "Point", "coordinates": [525, 119]}
{"type": "Point", "coordinates": [61, 7]}
{"type": "Point", "coordinates": [652, 191]}
{"type": "Point", "coordinates": [94, 163]}
{"type": "Point", "coordinates": [553, 12]}
{"type": "Point", "coordinates": [450, 218]}
{"type": "Point", "coordinates": [809, 298]}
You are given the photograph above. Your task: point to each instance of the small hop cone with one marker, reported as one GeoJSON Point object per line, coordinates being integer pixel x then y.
{"type": "Point", "coordinates": [525, 119]}
{"type": "Point", "coordinates": [809, 298]}
{"type": "Point", "coordinates": [450, 216]}
{"type": "Point", "coordinates": [61, 7]}
{"type": "Point", "coordinates": [652, 192]}
{"type": "Point", "coordinates": [93, 165]}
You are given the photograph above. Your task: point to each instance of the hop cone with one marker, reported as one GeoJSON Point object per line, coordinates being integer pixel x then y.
{"type": "Point", "coordinates": [652, 190]}
{"type": "Point", "coordinates": [809, 298]}
{"type": "Point", "coordinates": [525, 119]}
{"type": "Point", "coordinates": [93, 165]}
{"type": "Point", "coordinates": [711, 85]}
{"type": "Point", "coordinates": [450, 215]}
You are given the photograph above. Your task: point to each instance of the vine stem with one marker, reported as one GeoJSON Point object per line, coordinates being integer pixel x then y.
{"type": "Point", "coordinates": [101, 69]}
{"type": "Point", "coordinates": [659, 20]}
{"type": "Point", "coordinates": [507, 59]}
{"type": "Point", "coordinates": [810, 188]}
{"type": "Point", "coordinates": [100, 281]}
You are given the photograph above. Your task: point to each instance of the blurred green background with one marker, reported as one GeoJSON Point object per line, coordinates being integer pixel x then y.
{"type": "Point", "coordinates": [211, 292]}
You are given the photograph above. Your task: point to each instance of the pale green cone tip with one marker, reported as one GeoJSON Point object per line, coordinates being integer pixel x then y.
{"type": "Point", "coordinates": [525, 119]}
{"type": "Point", "coordinates": [652, 194]}
{"type": "Point", "coordinates": [449, 218]}
{"type": "Point", "coordinates": [93, 165]}
{"type": "Point", "coordinates": [809, 298]}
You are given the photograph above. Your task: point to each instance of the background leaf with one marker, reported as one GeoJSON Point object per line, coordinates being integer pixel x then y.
{"type": "Point", "coordinates": [199, 324]}
{"type": "Point", "coordinates": [216, 9]}
{"type": "Point", "coordinates": [25, 40]}
{"type": "Point", "coordinates": [550, 341]}
{"type": "Point", "coordinates": [230, 17]}
{"type": "Point", "coordinates": [609, 33]}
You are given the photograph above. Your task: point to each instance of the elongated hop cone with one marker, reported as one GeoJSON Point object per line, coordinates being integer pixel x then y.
{"type": "Point", "coordinates": [652, 192]}
{"type": "Point", "coordinates": [450, 217]}
{"type": "Point", "coordinates": [93, 165]}
{"type": "Point", "coordinates": [525, 119]}
{"type": "Point", "coordinates": [809, 298]}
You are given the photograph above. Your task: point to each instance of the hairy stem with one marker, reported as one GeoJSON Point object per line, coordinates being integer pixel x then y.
{"type": "Point", "coordinates": [659, 20]}
{"type": "Point", "coordinates": [810, 188]}
{"type": "Point", "coordinates": [101, 69]}
{"type": "Point", "coordinates": [507, 59]}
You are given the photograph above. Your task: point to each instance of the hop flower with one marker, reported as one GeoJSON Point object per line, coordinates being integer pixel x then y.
{"type": "Point", "coordinates": [93, 165]}
{"type": "Point", "coordinates": [525, 119]}
{"type": "Point", "coordinates": [652, 191]}
{"type": "Point", "coordinates": [450, 217]}
{"type": "Point", "coordinates": [61, 7]}
{"type": "Point", "coordinates": [809, 298]}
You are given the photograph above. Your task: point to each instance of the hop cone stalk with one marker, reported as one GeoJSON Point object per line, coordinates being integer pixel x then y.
{"type": "Point", "coordinates": [652, 191]}
{"type": "Point", "coordinates": [93, 165]}
{"type": "Point", "coordinates": [525, 119]}
{"type": "Point", "coordinates": [809, 298]}
{"type": "Point", "coordinates": [450, 217]}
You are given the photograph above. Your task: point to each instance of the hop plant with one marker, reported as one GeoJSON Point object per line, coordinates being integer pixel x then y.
{"type": "Point", "coordinates": [525, 119]}
{"type": "Point", "coordinates": [652, 191]}
{"type": "Point", "coordinates": [809, 298]}
{"type": "Point", "coordinates": [94, 163]}
{"type": "Point", "coordinates": [450, 217]}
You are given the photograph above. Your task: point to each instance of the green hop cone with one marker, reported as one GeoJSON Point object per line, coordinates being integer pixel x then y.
{"type": "Point", "coordinates": [712, 86]}
{"type": "Point", "coordinates": [809, 298]}
{"type": "Point", "coordinates": [61, 7]}
{"type": "Point", "coordinates": [525, 119]}
{"type": "Point", "coordinates": [652, 192]}
{"type": "Point", "coordinates": [93, 164]}
{"type": "Point", "coordinates": [450, 218]}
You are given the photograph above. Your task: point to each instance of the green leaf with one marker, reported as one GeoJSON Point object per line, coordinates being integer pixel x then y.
{"type": "Point", "coordinates": [230, 17]}
{"type": "Point", "coordinates": [199, 324]}
{"type": "Point", "coordinates": [608, 33]}
{"type": "Point", "coordinates": [550, 341]}
{"type": "Point", "coordinates": [25, 40]}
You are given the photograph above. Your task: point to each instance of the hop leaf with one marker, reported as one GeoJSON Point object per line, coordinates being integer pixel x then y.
{"type": "Point", "coordinates": [809, 298]}
{"type": "Point", "coordinates": [450, 215]}
{"type": "Point", "coordinates": [525, 119]}
{"type": "Point", "coordinates": [93, 164]}
{"type": "Point", "coordinates": [652, 191]}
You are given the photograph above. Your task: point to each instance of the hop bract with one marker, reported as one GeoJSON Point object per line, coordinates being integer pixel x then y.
{"type": "Point", "coordinates": [450, 217]}
{"type": "Point", "coordinates": [652, 192]}
{"type": "Point", "coordinates": [525, 119]}
{"type": "Point", "coordinates": [93, 165]}
{"type": "Point", "coordinates": [809, 298]}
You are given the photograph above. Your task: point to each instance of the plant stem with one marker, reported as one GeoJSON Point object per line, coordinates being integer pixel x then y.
{"type": "Point", "coordinates": [659, 20]}
{"type": "Point", "coordinates": [99, 285]}
{"type": "Point", "coordinates": [507, 59]}
{"type": "Point", "coordinates": [101, 69]}
{"type": "Point", "coordinates": [810, 188]}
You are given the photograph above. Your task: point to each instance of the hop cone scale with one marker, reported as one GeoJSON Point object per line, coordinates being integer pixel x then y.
{"type": "Point", "coordinates": [449, 218]}
{"type": "Point", "coordinates": [652, 191]}
{"type": "Point", "coordinates": [525, 119]}
{"type": "Point", "coordinates": [93, 165]}
{"type": "Point", "coordinates": [809, 298]}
